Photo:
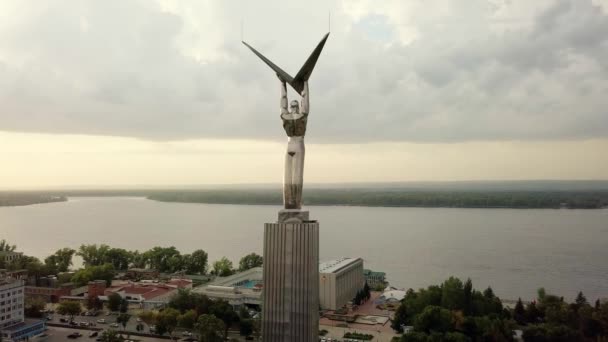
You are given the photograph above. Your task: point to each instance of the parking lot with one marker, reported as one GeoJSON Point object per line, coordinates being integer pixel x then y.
{"type": "Point", "coordinates": [59, 334]}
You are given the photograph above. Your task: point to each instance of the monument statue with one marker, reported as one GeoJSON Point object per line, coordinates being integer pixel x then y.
{"type": "Point", "coordinates": [294, 122]}
{"type": "Point", "coordinates": [290, 292]}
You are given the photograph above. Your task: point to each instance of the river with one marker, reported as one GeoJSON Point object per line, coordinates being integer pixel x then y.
{"type": "Point", "coordinates": [515, 251]}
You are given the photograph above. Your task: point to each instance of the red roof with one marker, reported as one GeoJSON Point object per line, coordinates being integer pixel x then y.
{"type": "Point", "coordinates": [146, 291]}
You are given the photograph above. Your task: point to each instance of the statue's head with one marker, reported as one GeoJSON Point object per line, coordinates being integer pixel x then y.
{"type": "Point", "coordinates": [294, 107]}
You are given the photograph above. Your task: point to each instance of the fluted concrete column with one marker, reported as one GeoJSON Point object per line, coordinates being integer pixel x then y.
{"type": "Point", "coordinates": [290, 311]}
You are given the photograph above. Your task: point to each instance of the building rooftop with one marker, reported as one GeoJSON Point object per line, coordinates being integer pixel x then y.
{"type": "Point", "coordinates": [334, 266]}
{"type": "Point", "coordinates": [376, 273]}
{"type": "Point", "coordinates": [253, 274]}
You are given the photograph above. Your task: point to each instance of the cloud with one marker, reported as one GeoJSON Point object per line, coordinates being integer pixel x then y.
{"type": "Point", "coordinates": [431, 71]}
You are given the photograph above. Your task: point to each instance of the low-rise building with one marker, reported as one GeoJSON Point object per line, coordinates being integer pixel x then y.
{"type": "Point", "coordinates": [13, 325]}
{"type": "Point", "coordinates": [148, 294]}
{"type": "Point", "coordinates": [243, 288]}
{"type": "Point", "coordinates": [390, 295]}
{"type": "Point", "coordinates": [339, 282]}
{"type": "Point", "coordinates": [375, 280]}
{"type": "Point", "coordinates": [49, 294]}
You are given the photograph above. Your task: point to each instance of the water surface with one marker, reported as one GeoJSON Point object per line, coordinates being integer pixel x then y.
{"type": "Point", "coordinates": [513, 250]}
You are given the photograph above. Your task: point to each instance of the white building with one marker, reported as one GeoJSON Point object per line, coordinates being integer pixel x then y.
{"type": "Point", "coordinates": [339, 282]}
{"type": "Point", "coordinates": [238, 289]}
{"type": "Point", "coordinates": [13, 325]}
{"type": "Point", "coordinates": [390, 295]}
{"type": "Point", "coordinates": [11, 302]}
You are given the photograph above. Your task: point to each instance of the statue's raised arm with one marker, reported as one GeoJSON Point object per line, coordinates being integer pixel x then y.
{"type": "Point", "coordinates": [283, 97]}
{"type": "Point", "coordinates": [305, 99]}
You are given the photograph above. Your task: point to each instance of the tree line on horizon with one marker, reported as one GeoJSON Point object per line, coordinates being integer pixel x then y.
{"type": "Point", "coordinates": [400, 198]}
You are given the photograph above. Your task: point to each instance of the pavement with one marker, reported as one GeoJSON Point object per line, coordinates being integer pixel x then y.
{"type": "Point", "coordinates": [382, 332]}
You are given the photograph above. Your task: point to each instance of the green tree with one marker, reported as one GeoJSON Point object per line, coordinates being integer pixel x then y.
{"type": "Point", "coordinates": [223, 267]}
{"type": "Point", "coordinates": [452, 296]}
{"type": "Point", "coordinates": [93, 255]}
{"type": "Point", "coordinates": [468, 297]}
{"type": "Point", "coordinates": [210, 328]}
{"type": "Point", "coordinates": [183, 300]}
{"type": "Point", "coordinates": [250, 261]}
{"type": "Point", "coordinates": [123, 319]}
{"type": "Point", "coordinates": [167, 320]}
{"type": "Point", "coordinates": [159, 258]}
{"type": "Point", "coordinates": [400, 318]}
{"type": "Point", "coordinates": [533, 315]}
{"type": "Point", "coordinates": [196, 263]}
{"type": "Point", "coordinates": [94, 303]}
{"type": "Point", "coordinates": [148, 317]}
{"type": "Point", "coordinates": [60, 261]}
{"type": "Point", "coordinates": [519, 312]}
{"type": "Point", "coordinates": [124, 305]}
{"type": "Point", "coordinates": [6, 247]}
{"type": "Point", "coordinates": [114, 301]}
{"type": "Point", "coordinates": [581, 300]}
{"type": "Point", "coordinates": [34, 306]}
{"type": "Point", "coordinates": [433, 318]}
{"type": "Point", "coordinates": [550, 333]}
{"type": "Point", "coordinates": [87, 274]}
{"type": "Point", "coordinates": [118, 257]}
{"type": "Point", "coordinates": [187, 320]}
{"type": "Point", "coordinates": [139, 260]}
{"type": "Point", "coordinates": [224, 311]}
{"type": "Point", "coordinates": [246, 327]}
{"type": "Point", "coordinates": [110, 336]}
{"type": "Point", "coordinates": [69, 308]}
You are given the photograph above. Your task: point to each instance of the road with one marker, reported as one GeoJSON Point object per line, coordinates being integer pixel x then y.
{"type": "Point", "coordinates": [131, 326]}
{"type": "Point", "coordinates": [59, 334]}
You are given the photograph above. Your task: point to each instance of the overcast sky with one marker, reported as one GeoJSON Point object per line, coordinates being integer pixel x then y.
{"type": "Point", "coordinates": [163, 92]}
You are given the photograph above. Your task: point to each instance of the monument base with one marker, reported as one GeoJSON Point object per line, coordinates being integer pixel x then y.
{"type": "Point", "coordinates": [290, 311]}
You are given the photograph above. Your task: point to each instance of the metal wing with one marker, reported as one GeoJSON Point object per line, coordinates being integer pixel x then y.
{"type": "Point", "coordinates": [273, 66]}
{"type": "Point", "coordinates": [297, 82]}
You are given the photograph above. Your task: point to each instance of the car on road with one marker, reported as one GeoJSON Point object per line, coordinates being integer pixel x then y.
{"type": "Point", "coordinates": [138, 319]}
{"type": "Point", "coordinates": [93, 334]}
{"type": "Point", "coordinates": [101, 321]}
{"type": "Point", "coordinates": [74, 335]}
{"type": "Point", "coordinates": [114, 325]}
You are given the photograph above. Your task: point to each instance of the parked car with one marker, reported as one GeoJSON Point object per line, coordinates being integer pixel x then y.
{"type": "Point", "coordinates": [101, 321]}
{"type": "Point", "coordinates": [93, 334]}
{"type": "Point", "coordinates": [114, 325]}
{"type": "Point", "coordinates": [186, 333]}
{"type": "Point", "coordinates": [83, 324]}
{"type": "Point", "coordinates": [74, 335]}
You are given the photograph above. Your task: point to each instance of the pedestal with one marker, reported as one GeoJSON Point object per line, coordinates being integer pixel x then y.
{"type": "Point", "coordinates": [290, 311]}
